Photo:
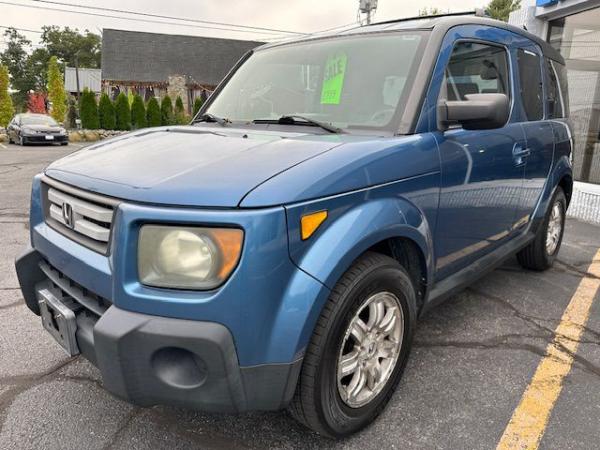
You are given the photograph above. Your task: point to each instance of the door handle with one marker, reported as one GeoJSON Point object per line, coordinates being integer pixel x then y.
{"type": "Point", "coordinates": [520, 152]}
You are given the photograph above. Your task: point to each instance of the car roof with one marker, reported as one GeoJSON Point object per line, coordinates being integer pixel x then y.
{"type": "Point", "coordinates": [439, 23]}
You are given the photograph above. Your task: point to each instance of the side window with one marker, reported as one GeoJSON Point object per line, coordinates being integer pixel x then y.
{"type": "Point", "coordinates": [553, 97]}
{"type": "Point", "coordinates": [561, 72]}
{"type": "Point", "coordinates": [530, 74]}
{"type": "Point", "coordinates": [476, 68]}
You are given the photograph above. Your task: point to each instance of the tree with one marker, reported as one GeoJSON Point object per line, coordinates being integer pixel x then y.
{"type": "Point", "coordinates": [15, 59]}
{"type": "Point", "coordinates": [138, 113]}
{"type": "Point", "coordinates": [153, 113]}
{"type": "Point", "coordinates": [123, 113]}
{"type": "Point", "coordinates": [430, 12]}
{"type": "Point", "coordinates": [180, 115]}
{"type": "Point", "coordinates": [106, 113]}
{"type": "Point", "coordinates": [197, 105]}
{"type": "Point", "coordinates": [6, 104]}
{"type": "Point", "coordinates": [166, 111]}
{"type": "Point", "coordinates": [56, 91]}
{"type": "Point", "coordinates": [36, 103]}
{"type": "Point", "coordinates": [70, 44]}
{"type": "Point", "coordinates": [36, 68]}
{"type": "Point", "coordinates": [88, 110]}
{"type": "Point", "coordinates": [501, 9]}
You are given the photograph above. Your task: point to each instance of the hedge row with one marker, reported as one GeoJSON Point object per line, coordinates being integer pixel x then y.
{"type": "Point", "coordinates": [121, 115]}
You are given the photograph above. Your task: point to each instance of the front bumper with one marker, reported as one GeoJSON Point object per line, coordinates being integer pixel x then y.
{"type": "Point", "coordinates": [148, 359]}
{"type": "Point", "coordinates": [41, 139]}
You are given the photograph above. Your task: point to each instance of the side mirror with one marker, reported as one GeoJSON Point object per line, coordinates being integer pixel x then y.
{"type": "Point", "coordinates": [477, 112]}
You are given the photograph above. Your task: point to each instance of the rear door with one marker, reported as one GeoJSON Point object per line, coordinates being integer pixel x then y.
{"type": "Point", "coordinates": [481, 178]}
{"type": "Point", "coordinates": [537, 154]}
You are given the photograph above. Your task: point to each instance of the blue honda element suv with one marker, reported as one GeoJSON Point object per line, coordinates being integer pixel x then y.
{"type": "Point", "coordinates": [277, 252]}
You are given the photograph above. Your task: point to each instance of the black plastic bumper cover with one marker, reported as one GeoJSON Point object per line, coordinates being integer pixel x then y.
{"type": "Point", "coordinates": [150, 360]}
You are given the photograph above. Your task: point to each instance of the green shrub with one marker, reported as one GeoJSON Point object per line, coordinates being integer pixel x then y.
{"type": "Point", "coordinates": [106, 111]}
{"type": "Point", "coordinates": [197, 105]}
{"type": "Point", "coordinates": [123, 113]}
{"type": "Point", "coordinates": [153, 117]}
{"type": "Point", "coordinates": [166, 111]}
{"type": "Point", "coordinates": [88, 110]}
{"type": "Point", "coordinates": [181, 117]}
{"type": "Point", "coordinates": [72, 113]}
{"type": "Point", "coordinates": [138, 113]}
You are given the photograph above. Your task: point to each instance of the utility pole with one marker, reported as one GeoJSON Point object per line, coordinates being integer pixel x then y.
{"type": "Point", "coordinates": [367, 7]}
{"type": "Point", "coordinates": [77, 74]}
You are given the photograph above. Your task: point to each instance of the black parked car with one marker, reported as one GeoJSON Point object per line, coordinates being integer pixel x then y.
{"type": "Point", "coordinates": [36, 129]}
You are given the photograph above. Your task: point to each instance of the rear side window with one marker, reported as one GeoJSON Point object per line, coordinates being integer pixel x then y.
{"type": "Point", "coordinates": [476, 68]}
{"type": "Point", "coordinates": [530, 74]}
{"type": "Point", "coordinates": [561, 72]}
{"type": "Point", "coordinates": [553, 95]}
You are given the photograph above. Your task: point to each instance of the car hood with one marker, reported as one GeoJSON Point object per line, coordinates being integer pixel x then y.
{"type": "Point", "coordinates": [187, 166]}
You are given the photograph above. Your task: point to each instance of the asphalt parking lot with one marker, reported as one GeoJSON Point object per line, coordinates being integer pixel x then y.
{"type": "Point", "coordinates": [473, 360]}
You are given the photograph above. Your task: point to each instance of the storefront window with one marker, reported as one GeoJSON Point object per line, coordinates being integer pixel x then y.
{"type": "Point", "coordinates": [577, 37]}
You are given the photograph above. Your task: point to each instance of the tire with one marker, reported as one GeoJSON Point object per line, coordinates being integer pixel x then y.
{"type": "Point", "coordinates": [64, 143]}
{"type": "Point", "coordinates": [540, 255]}
{"type": "Point", "coordinates": [318, 401]}
{"type": "Point", "coordinates": [10, 141]}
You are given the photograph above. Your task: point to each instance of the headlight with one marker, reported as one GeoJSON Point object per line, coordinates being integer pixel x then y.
{"type": "Point", "coordinates": [187, 257]}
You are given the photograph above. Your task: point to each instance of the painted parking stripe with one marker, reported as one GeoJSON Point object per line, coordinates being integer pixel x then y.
{"type": "Point", "coordinates": [529, 421]}
{"type": "Point", "coordinates": [3, 146]}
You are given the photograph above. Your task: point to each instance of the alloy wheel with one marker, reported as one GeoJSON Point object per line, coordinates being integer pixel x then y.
{"type": "Point", "coordinates": [555, 226]}
{"type": "Point", "coordinates": [370, 349]}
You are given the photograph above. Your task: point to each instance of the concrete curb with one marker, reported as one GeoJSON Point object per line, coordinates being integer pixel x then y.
{"type": "Point", "coordinates": [585, 203]}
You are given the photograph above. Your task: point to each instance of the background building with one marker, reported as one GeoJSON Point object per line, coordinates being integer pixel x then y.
{"type": "Point", "coordinates": [88, 78]}
{"type": "Point", "coordinates": [153, 65]}
{"type": "Point", "coordinates": [573, 28]}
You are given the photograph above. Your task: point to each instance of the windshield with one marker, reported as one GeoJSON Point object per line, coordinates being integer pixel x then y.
{"type": "Point", "coordinates": [348, 82]}
{"type": "Point", "coordinates": [38, 120]}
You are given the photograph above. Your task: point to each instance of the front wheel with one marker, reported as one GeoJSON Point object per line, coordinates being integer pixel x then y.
{"type": "Point", "coordinates": [541, 253]}
{"type": "Point", "coordinates": [359, 348]}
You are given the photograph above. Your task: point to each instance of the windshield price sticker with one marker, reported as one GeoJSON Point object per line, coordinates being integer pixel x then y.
{"type": "Point", "coordinates": [333, 81]}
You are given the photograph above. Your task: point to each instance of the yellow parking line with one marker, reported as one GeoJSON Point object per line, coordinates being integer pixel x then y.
{"type": "Point", "coordinates": [529, 421]}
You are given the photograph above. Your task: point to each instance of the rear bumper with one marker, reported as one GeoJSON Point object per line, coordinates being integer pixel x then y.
{"type": "Point", "coordinates": [149, 360]}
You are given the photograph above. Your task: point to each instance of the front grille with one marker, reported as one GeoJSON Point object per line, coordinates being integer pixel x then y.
{"type": "Point", "coordinates": [74, 291]}
{"type": "Point", "coordinates": [79, 215]}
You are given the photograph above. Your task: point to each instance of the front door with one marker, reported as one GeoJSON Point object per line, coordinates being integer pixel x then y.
{"type": "Point", "coordinates": [482, 173]}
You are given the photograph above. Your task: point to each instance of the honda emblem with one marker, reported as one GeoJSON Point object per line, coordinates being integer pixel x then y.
{"type": "Point", "coordinates": [67, 213]}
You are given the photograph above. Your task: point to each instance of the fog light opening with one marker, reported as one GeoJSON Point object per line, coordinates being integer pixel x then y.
{"type": "Point", "coordinates": [179, 368]}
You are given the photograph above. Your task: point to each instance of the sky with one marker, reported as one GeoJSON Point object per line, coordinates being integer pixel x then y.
{"type": "Point", "coordinates": [290, 15]}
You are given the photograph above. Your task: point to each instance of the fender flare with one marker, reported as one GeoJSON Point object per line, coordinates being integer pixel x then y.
{"type": "Point", "coordinates": [560, 169]}
{"type": "Point", "coordinates": [348, 236]}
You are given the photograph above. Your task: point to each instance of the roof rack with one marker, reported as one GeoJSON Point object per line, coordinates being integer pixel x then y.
{"type": "Point", "coordinates": [479, 12]}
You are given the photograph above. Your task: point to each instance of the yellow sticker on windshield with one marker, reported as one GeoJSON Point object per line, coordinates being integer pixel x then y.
{"type": "Point", "coordinates": [333, 81]}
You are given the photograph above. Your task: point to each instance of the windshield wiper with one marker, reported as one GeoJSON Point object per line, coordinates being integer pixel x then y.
{"type": "Point", "coordinates": [211, 118]}
{"type": "Point", "coordinates": [295, 119]}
